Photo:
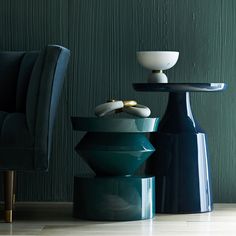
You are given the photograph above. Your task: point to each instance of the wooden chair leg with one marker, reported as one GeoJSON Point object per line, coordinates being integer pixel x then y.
{"type": "Point", "coordinates": [8, 194]}
{"type": "Point", "coordinates": [14, 190]}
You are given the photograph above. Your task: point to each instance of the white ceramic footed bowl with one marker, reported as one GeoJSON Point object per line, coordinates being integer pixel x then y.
{"type": "Point", "coordinates": [157, 60]}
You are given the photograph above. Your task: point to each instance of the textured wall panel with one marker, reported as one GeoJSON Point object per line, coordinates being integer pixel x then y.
{"type": "Point", "coordinates": [103, 36]}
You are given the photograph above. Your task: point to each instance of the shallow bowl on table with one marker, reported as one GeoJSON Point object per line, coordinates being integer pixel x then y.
{"type": "Point", "coordinates": [157, 60]}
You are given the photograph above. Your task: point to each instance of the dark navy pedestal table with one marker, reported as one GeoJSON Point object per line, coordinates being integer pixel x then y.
{"type": "Point", "coordinates": [180, 163]}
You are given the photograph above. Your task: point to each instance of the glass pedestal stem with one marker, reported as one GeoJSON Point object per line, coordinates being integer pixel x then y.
{"type": "Point", "coordinates": [180, 163]}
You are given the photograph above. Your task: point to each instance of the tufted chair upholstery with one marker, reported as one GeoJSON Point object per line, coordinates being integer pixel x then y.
{"type": "Point", "coordinates": [30, 87]}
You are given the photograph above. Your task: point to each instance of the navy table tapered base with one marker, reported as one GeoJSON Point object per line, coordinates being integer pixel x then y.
{"type": "Point", "coordinates": [180, 163]}
{"type": "Point", "coordinates": [114, 198]}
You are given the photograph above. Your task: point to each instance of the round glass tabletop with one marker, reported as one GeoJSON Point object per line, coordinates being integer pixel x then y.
{"type": "Point", "coordinates": [180, 87]}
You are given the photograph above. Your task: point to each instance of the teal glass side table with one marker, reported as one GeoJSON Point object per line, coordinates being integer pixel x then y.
{"type": "Point", "coordinates": [114, 148]}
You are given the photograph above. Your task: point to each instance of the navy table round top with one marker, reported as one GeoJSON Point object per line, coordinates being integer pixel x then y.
{"type": "Point", "coordinates": [180, 87]}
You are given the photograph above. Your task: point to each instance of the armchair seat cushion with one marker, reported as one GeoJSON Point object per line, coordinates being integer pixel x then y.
{"type": "Point", "coordinates": [3, 115]}
{"type": "Point", "coordinates": [14, 131]}
{"type": "Point", "coordinates": [16, 143]}
{"type": "Point", "coordinates": [15, 158]}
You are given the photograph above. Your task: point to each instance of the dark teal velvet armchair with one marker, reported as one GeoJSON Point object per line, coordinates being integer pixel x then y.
{"type": "Point", "coordinates": [30, 87]}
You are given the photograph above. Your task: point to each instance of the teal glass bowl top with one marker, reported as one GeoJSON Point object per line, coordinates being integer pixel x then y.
{"type": "Point", "coordinates": [114, 154]}
{"type": "Point", "coordinates": [121, 125]}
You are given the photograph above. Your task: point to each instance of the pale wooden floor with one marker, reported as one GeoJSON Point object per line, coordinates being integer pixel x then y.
{"type": "Point", "coordinates": [56, 219]}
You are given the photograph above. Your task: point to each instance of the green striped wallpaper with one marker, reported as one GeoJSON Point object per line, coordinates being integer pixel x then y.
{"type": "Point", "coordinates": [103, 36]}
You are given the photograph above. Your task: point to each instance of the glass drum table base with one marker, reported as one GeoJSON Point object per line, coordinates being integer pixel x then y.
{"type": "Point", "coordinates": [114, 198]}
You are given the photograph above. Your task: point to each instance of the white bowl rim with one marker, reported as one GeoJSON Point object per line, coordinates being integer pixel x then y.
{"type": "Point", "coordinates": [157, 52]}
